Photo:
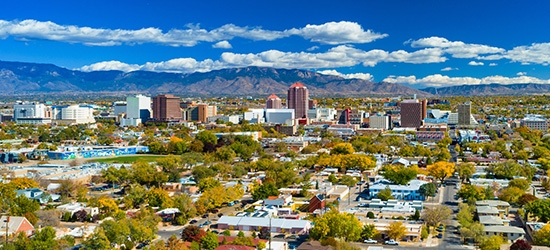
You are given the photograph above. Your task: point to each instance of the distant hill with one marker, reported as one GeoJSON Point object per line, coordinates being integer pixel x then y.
{"type": "Point", "coordinates": [491, 89]}
{"type": "Point", "coordinates": [34, 78]}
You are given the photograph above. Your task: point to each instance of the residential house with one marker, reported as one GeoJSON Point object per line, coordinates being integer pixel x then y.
{"type": "Point", "coordinates": [502, 206]}
{"type": "Point", "coordinates": [77, 206]}
{"type": "Point", "coordinates": [255, 224]}
{"type": "Point", "coordinates": [13, 225]}
{"type": "Point", "coordinates": [316, 202]}
{"type": "Point", "coordinates": [492, 221]}
{"type": "Point", "coordinates": [37, 194]}
{"type": "Point", "coordinates": [508, 233]}
{"type": "Point", "coordinates": [283, 201]}
{"type": "Point", "coordinates": [400, 192]}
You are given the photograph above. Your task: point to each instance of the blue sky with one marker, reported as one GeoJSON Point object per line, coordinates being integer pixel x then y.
{"type": "Point", "coordinates": [415, 43]}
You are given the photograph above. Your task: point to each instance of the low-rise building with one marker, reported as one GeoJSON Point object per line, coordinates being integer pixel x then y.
{"type": "Point", "coordinates": [256, 224]}
{"type": "Point", "coordinates": [508, 233]}
{"type": "Point", "coordinates": [13, 225]}
{"type": "Point", "coordinates": [400, 192]}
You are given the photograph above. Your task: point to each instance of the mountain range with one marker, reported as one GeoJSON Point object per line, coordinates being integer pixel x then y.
{"type": "Point", "coordinates": [20, 78]}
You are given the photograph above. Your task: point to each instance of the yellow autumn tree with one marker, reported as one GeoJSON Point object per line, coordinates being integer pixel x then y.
{"type": "Point", "coordinates": [441, 170]}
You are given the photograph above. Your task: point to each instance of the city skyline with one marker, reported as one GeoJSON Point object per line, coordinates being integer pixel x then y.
{"type": "Point", "coordinates": [427, 44]}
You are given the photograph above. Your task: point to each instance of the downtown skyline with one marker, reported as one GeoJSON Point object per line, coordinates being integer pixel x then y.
{"type": "Point", "coordinates": [417, 44]}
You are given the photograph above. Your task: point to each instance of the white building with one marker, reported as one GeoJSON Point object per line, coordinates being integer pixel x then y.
{"type": "Point", "coordinates": [380, 122]}
{"type": "Point", "coordinates": [255, 116]}
{"type": "Point", "coordinates": [74, 114]}
{"type": "Point", "coordinates": [138, 110]}
{"type": "Point", "coordinates": [322, 114]}
{"type": "Point", "coordinates": [30, 113]}
{"type": "Point", "coordinates": [400, 192]}
{"type": "Point", "coordinates": [279, 116]}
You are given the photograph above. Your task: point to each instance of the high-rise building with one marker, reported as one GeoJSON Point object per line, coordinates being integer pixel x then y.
{"type": "Point", "coordinates": [273, 102]}
{"type": "Point", "coordinates": [413, 113]}
{"type": "Point", "coordinates": [380, 122]}
{"type": "Point", "coordinates": [464, 113]}
{"type": "Point", "coordinates": [138, 110]}
{"type": "Point", "coordinates": [166, 108]}
{"type": "Point", "coordinates": [30, 113]}
{"type": "Point", "coordinates": [201, 112]}
{"type": "Point", "coordinates": [298, 99]}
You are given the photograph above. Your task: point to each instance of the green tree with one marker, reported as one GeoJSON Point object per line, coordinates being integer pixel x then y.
{"type": "Point", "coordinates": [464, 216]}
{"type": "Point", "coordinates": [158, 197]}
{"type": "Point", "coordinates": [332, 179]}
{"type": "Point", "coordinates": [208, 183]}
{"type": "Point", "coordinates": [465, 171]}
{"type": "Point", "coordinates": [385, 194]}
{"type": "Point", "coordinates": [511, 194]}
{"type": "Point", "coordinates": [369, 231]}
{"type": "Point", "coordinates": [116, 231]}
{"type": "Point", "coordinates": [98, 241]}
{"type": "Point", "coordinates": [262, 191]}
{"type": "Point", "coordinates": [476, 231]}
{"type": "Point", "coordinates": [539, 209]}
{"type": "Point", "coordinates": [209, 241]}
{"type": "Point", "coordinates": [22, 205]}
{"type": "Point", "coordinates": [172, 165]}
{"type": "Point", "coordinates": [347, 180]}
{"type": "Point", "coordinates": [520, 183]}
{"type": "Point", "coordinates": [335, 224]}
{"type": "Point", "coordinates": [147, 174]}
{"type": "Point", "coordinates": [399, 174]}
{"type": "Point", "coordinates": [43, 239]}
{"type": "Point", "coordinates": [427, 189]}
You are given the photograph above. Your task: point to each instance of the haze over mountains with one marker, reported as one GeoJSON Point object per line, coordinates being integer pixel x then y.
{"type": "Point", "coordinates": [32, 78]}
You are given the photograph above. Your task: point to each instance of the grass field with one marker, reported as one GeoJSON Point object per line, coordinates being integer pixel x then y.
{"type": "Point", "coordinates": [128, 159]}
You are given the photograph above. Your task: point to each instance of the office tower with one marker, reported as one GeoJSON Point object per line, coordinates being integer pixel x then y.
{"type": "Point", "coordinates": [273, 102]}
{"type": "Point", "coordinates": [205, 111]}
{"type": "Point", "coordinates": [464, 113]}
{"type": "Point", "coordinates": [298, 99]}
{"type": "Point", "coordinates": [138, 110]}
{"type": "Point", "coordinates": [166, 108]}
{"type": "Point", "coordinates": [412, 113]}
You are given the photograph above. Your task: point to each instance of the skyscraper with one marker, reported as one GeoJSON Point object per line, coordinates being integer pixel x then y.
{"type": "Point", "coordinates": [166, 108]}
{"type": "Point", "coordinates": [138, 110]}
{"type": "Point", "coordinates": [464, 113]}
{"type": "Point", "coordinates": [298, 99]}
{"type": "Point", "coordinates": [412, 113]}
{"type": "Point", "coordinates": [273, 102]}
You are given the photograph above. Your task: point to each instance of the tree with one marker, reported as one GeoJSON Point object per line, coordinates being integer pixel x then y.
{"type": "Point", "coordinates": [192, 233]}
{"type": "Point", "coordinates": [434, 215]}
{"type": "Point", "coordinates": [396, 230]}
{"type": "Point", "coordinates": [509, 169]}
{"type": "Point", "coordinates": [476, 231]}
{"type": "Point", "coordinates": [465, 171]}
{"type": "Point", "coordinates": [369, 231]}
{"type": "Point", "coordinates": [209, 241]}
{"type": "Point", "coordinates": [342, 149]}
{"type": "Point", "coordinates": [43, 239]}
{"type": "Point", "coordinates": [399, 174]}
{"type": "Point", "coordinates": [427, 189]}
{"type": "Point", "coordinates": [147, 174]}
{"type": "Point", "coordinates": [332, 179]}
{"type": "Point", "coordinates": [98, 241]}
{"type": "Point", "coordinates": [511, 194]}
{"type": "Point", "coordinates": [492, 243]}
{"type": "Point", "coordinates": [22, 205]}
{"type": "Point", "coordinates": [441, 170]}
{"type": "Point", "coordinates": [520, 245]}
{"type": "Point", "coordinates": [158, 197]}
{"type": "Point", "coordinates": [184, 203]}
{"type": "Point", "coordinates": [208, 183]}
{"type": "Point", "coordinates": [471, 193]}
{"type": "Point", "coordinates": [335, 224]}
{"type": "Point", "coordinates": [262, 191]}
{"type": "Point", "coordinates": [48, 218]}
{"type": "Point", "coordinates": [465, 216]}
{"type": "Point", "coordinates": [385, 194]}
{"type": "Point", "coordinates": [347, 180]}
{"type": "Point", "coordinates": [520, 183]}
{"type": "Point", "coordinates": [172, 165]}
{"type": "Point", "coordinates": [116, 231]}
{"type": "Point", "coordinates": [540, 209]}
{"type": "Point", "coordinates": [525, 199]}
{"type": "Point", "coordinates": [23, 183]}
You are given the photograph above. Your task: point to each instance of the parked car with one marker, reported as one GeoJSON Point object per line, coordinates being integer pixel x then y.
{"type": "Point", "coordinates": [193, 222]}
{"type": "Point", "coordinates": [205, 216]}
{"type": "Point", "coordinates": [439, 236]}
{"type": "Point", "coordinates": [370, 241]}
{"type": "Point", "coordinates": [441, 228]}
{"type": "Point", "coordinates": [391, 242]}
{"type": "Point", "coordinates": [207, 222]}
{"type": "Point", "coordinates": [220, 214]}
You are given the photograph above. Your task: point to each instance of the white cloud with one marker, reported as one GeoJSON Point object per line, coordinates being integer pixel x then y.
{"type": "Point", "coordinates": [111, 65]}
{"type": "Point", "coordinates": [340, 56]}
{"type": "Point", "coordinates": [222, 45]}
{"type": "Point", "coordinates": [521, 73]}
{"type": "Point", "coordinates": [312, 48]}
{"type": "Point", "coordinates": [448, 69]}
{"type": "Point", "coordinates": [328, 33]}
{"type": "Point", "coordinates": [362, 76]}
{"type": "Point", "coordinates": [438, 80]}
{"type": "Point", "coordinates": [337, 33]}
{"type": "Point", "coordinates": [493, 64]}
{"type": "Point", "coordinates": [457, 49]}
{"type": "Point", "coordinates": [474, 63]}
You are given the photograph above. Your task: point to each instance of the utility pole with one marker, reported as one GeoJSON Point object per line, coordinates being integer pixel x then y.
{"type": "Point", "coordinates": [270, 231]}
{"type": "Point", "coordinates": [7, 227]}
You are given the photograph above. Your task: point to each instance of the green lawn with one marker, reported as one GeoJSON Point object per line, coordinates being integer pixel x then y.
{"type": "Point", "coordinates": [128, 159]}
